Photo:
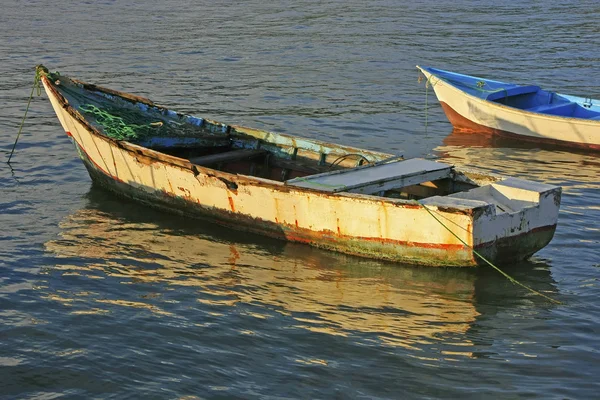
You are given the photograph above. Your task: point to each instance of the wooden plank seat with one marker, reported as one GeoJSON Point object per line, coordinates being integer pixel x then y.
{"type": "Point", "coordinates": [375, 178]}
{"type": "Point", "coordinates": [228, 156]}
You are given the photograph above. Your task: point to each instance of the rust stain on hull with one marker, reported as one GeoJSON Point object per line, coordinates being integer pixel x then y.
{"type": "Point", "coordinates": [380, 248]}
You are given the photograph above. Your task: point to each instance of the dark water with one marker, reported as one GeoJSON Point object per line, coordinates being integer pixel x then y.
{"type": "Point", "coordinates": [101, 298]}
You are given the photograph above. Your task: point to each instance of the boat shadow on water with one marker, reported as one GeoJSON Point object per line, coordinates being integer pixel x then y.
{"type": "Point", "coordinates": [575, 170]}
{"type": "Point", "coordinates": [461, 138]}
{"type": "Point", "coordinates": [111, 247]}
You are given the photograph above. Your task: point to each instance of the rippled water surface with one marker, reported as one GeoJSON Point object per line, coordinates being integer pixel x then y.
{"type": "Point", "coordinates": [104, 298]}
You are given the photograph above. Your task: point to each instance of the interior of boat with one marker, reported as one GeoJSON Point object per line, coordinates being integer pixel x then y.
{"type": "Point", "coordinates": [295, 161]}
{"type": "Point", "coordinates": [333, 172]}
{"type": "Point", "coordinates": [533, 99]}
{"type": "Point", "coordinates": [310, 163]}
{"type": "Point", "coordinates": [344, 170]}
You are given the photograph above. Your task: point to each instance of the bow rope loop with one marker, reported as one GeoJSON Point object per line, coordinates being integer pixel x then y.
{"type": "Point", "coordinates": [510, 278]}
{"type": "Point", "coordinates": [39, 72]}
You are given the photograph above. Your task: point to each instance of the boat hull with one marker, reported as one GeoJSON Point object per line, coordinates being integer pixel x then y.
{"type": "Point", "coordinates": [504, 250]}
{"type": "Point", "coordinates": [387, 229]}
{"type": "Point", "coordinates": [471, 114]}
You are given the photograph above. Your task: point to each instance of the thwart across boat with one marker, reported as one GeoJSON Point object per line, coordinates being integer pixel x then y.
{"type": "Point", "coordinates": [341, 198]}
{"type": "Point", "coordinates": [523, 112]}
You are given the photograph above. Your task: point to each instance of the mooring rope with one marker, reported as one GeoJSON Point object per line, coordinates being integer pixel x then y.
{"type": "Point", "coordinates": [36, 84]}
{"type": "Point", "coordinates": [429, 81]}
{"type": "Point", "coordinates": [507, 276]}
{"type": "Point", "coordinates": [426, 105]}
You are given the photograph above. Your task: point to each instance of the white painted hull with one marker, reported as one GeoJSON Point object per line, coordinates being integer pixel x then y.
{"type": "Point", "coordinates": [467, 112]}
{"type": "Point", "coordinates": [363, 225]}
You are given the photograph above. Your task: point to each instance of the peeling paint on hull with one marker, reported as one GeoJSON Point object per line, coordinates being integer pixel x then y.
{"type": "Point", "coordinates": [409, 253]}
{"type": "Point", "coordinates": [456, 255]}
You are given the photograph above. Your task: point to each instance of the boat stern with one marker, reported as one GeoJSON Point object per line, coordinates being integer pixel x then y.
{"type": "Point", "coordinates": [524, 219]}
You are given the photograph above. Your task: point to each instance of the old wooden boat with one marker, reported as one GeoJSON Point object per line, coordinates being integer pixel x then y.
{"type": "Point", "coordinates": [523, 112]}
{"type": "Point", "coordinates": [341, 198]}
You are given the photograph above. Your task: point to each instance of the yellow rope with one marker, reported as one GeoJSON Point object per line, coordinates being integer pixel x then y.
{"type": "Point", "coordinates": [510, 278]}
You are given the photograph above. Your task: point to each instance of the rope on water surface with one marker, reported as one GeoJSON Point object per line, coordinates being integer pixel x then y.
{"type": "Point", "coordinates": [510, 278]}
{"type": "Point", "coordinates": [36, 84]}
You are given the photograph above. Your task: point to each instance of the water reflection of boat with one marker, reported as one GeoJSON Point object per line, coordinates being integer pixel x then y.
{"type": "Point", "coordinates": [465, 139]}
{"type": "Point", "coordinates": [118, 243]}
{"type": "Point", "coordinates": [546, 164]}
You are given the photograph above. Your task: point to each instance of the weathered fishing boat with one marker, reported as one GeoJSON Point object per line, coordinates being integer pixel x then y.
{"type": "Point", "coordinates": [342, 198]}
{"type": "Point", "coordinates": [523, 112]}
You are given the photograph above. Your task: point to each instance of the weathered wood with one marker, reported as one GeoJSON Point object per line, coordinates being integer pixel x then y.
{"type": "Point", "coordinates": [371, 179]}
{"type": "Point", "coordinates": [234, 155]}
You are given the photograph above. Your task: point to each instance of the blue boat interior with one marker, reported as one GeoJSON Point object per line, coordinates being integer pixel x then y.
{"type": "Point", "coordinates": [523, 97]}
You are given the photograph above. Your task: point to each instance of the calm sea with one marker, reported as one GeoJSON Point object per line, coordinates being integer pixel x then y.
{"type": "Point", "coordinates": [101, 298]}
